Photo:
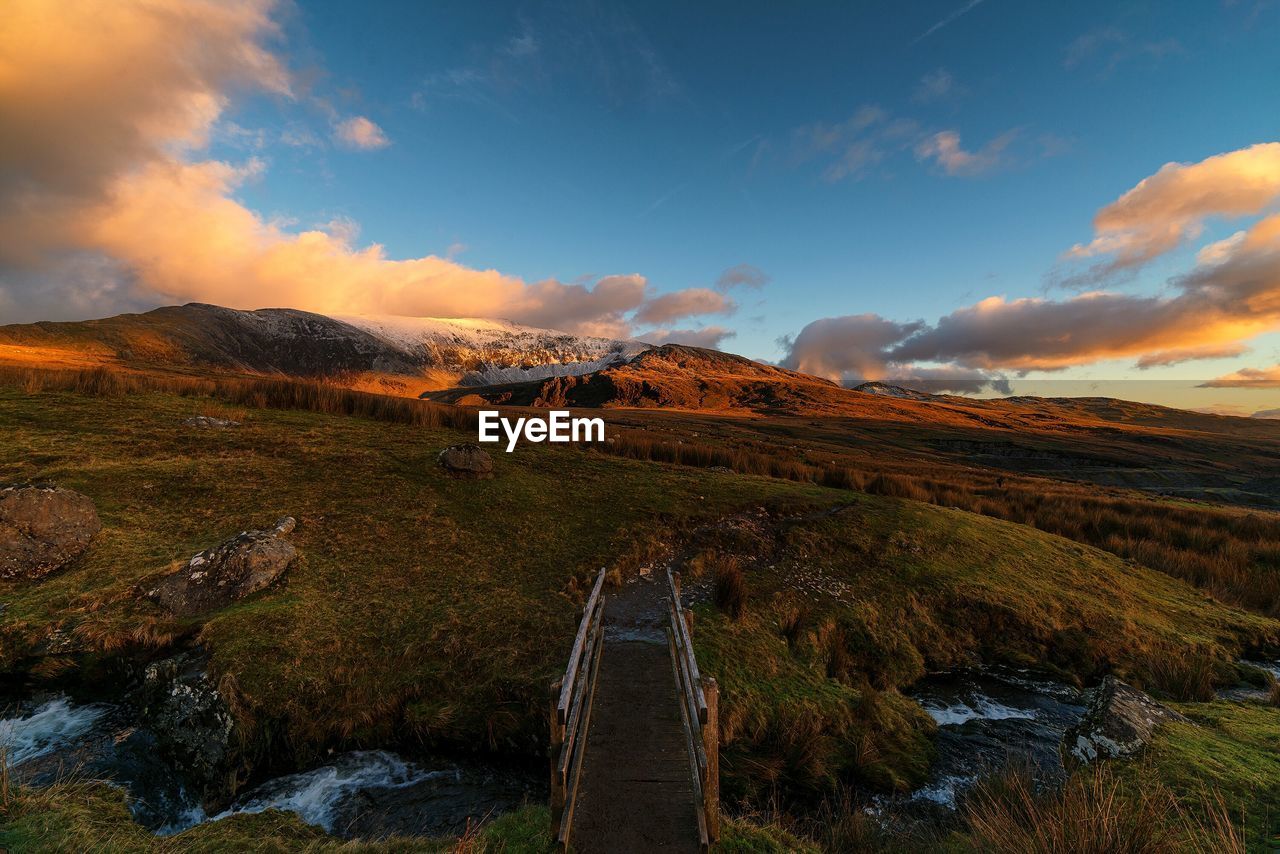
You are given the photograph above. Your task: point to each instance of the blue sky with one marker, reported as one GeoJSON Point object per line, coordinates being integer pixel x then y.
{"type": "Point", "coordinates": [901, 160]}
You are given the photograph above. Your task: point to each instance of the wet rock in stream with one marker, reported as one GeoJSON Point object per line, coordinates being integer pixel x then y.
{"type": "Point", "coordinates": [189, 721]}
{"type": "Point", "coordinates": [1121, 720]}
{"type": "Point", "coordinates": [986, 720]}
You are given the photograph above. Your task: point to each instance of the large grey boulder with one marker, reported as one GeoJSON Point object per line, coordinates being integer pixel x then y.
{"type": "Point", "coordinates": [42, 529]}
{"type": "Point", "coordinates": [244, 564]}
{"type": "Point", "coordinates": [466, 461]}
{"type": "Point", "coordinates": [1120, 721]}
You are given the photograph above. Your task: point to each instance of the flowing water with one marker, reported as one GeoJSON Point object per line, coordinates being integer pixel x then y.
{"type": "Point", "coordinates": [988, 719]}
{"type": "Point", "coordinates": [45, 726]}
{"type": "Point", "coordinates": [362, 794]}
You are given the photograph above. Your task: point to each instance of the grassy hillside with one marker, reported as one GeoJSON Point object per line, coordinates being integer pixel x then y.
{"type": "Point", "coordinates": [839, 611]}
{"type": "Point", "coordinates": [1230, 751]}
{"type": "Point", "coordinates": [424, 607]}
{"type": "Point", "coordinates": [432, 611]}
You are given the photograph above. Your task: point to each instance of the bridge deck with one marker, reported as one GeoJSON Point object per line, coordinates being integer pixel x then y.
{"type": "Point", "coordinates": [637, 792]}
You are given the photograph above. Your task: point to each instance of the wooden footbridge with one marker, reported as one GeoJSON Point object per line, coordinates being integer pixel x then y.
{"type": "Point", "coordinates": [634, 731]}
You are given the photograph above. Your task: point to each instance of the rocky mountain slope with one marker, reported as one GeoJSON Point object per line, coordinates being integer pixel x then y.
{"type": "Point", "coordinates": [394, 353]}
{"type": "Point", "coordinates": [673, 376]}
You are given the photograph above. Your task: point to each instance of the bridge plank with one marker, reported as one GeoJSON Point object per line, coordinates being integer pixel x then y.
{"type": "Point", "coordinates": [636, 792]}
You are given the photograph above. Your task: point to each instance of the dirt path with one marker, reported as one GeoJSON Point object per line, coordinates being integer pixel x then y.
{"type": "Point", "coordinates": [636, 789]}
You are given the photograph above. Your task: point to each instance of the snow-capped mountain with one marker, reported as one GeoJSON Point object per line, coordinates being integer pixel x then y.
{"type": "Point", "coordinates": [410, 353]}
{"type": "Point", "coordinates": [495, 351]}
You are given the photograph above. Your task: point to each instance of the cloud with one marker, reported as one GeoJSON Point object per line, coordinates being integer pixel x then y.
{"type": "Point", "coordinates": [852, 147]}
{"type": "Point", "coordinates": [136, 218]}
{"type": "Point", "coordinates": [742, 276]}
{"type": "Point", "coordinates": [1108, 47]}
{"type": "Point", "coordinates": [91, 90]}
{"type": "Point", "coordinates": [707, 337]}
{"type": "Point", "coordinates": [935, 86]}
{"type": "Point", "coordinates": [686, 303]}
{"type": "Point", "coordinates": [599, 309]}
{"type": "Point", "coordinates": [855, 345]}
{"type": "Point", "coordinates": [1171, 206]}
{"type": "Point", "coordinates": [945, 149]}
{"type": "Point", "coordinates": [1231, 295]}
{"type": "Point", "coordinates": [599, 46]}
{"type": "Point", "coordinates": [1164, 358]}
{"type": "Point", "coordinates": [1247, 378]}
{"type": "Point", "coordinates": [859, 348]}
{"type": "Point", "coordinates": [360, 133]}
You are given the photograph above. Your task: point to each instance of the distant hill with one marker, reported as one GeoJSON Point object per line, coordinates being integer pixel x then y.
{"type": "Point", "coordinates": [478, 362]}
{"type": "Point", "coordinates": [673, 376]}
{"type": "Point", "coordinates": [396, 354]}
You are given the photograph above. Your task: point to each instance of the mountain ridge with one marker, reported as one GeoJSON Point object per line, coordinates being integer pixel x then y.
{"type": "Point", "coordinates": [401, 355]}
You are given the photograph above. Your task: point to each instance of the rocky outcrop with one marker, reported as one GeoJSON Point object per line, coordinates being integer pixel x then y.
{"type": "Point", "coordinates": [466, 461]}
{"type": "Point", "coordinates": [206, 422]}
{"type": "Point", "coordinates": [244, 564]}
{"type": "Point", "coordinates": [190, 722]}
{"type": "Point", "coordinates": [42, 529]}
{"type": "Point", "coordinates": [1119, 722]}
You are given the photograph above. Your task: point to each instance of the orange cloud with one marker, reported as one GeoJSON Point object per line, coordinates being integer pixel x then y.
{"type": "Point", "coordinates": [707, 337]}
{"type": "Point", "coordinates": [1231, 295]}
{"type": "Point", "coordinates": [1189, 354]}
{"type": "Point", "coordinates": [359, 132]}
{"type": "Point", "coordinates": [1248, 378]}
{"type": "Point", "coordinates": [685, 303]}
{"type": "Point", "coordinates": [945, 149]}
{"type": "Point", "coordinates": [91, 90]}
{"type": "Point", "coordinates": [105, 107]}
{"type": "Point", "coordinates": [1171, 206]}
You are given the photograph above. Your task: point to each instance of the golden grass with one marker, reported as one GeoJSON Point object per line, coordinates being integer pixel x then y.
{"type": "Point", "coordinates": [1091, 814]}
{"type": "Point", "coordinates": [1233, 554]}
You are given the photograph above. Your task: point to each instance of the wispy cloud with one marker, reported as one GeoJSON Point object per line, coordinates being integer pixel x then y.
{"type": "Point", "coordinates": [936, 86]}
{"type": "Point", "coordinates": [597, 44]}
{"type": "Point", "coordinates": [1106, 48]}
{"type": "Point", "coordinates": [663, 199]}
{"type": "Point", "coordinates": [689, 302]}
{"type": "Point", "coordinates": [852, 148]}
{"type": "Point", "coordinates": [360, 133]}
{"type": "Point", "coordinates": [945, 149]}
{"type": "Point", "coordinates": [742, 276]}
{"type": "Point", "coordinates": [948, 20]}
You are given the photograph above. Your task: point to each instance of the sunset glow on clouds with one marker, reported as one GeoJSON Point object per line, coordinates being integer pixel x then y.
{"type": "Point", "coordinates": [1231, 295]}
{"type": "Point", "coordinates": [107, 108]}
{"type": "Point", "coordinates": [117, 193]}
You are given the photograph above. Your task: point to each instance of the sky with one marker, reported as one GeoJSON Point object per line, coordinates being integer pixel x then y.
{"type": "Point", "coordinates": [978, 196]}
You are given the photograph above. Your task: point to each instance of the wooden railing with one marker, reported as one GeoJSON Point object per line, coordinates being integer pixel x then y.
{"type": "Point", "coordinates": [699, 698]}
{"type": "Point", "coordinates": [571, 699]}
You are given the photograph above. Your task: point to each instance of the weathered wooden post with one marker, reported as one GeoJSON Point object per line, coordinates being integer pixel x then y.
{"type": "Point", "coordinates": [711, 744]}
{"type": "Point", "coordinates": [557, 740]}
